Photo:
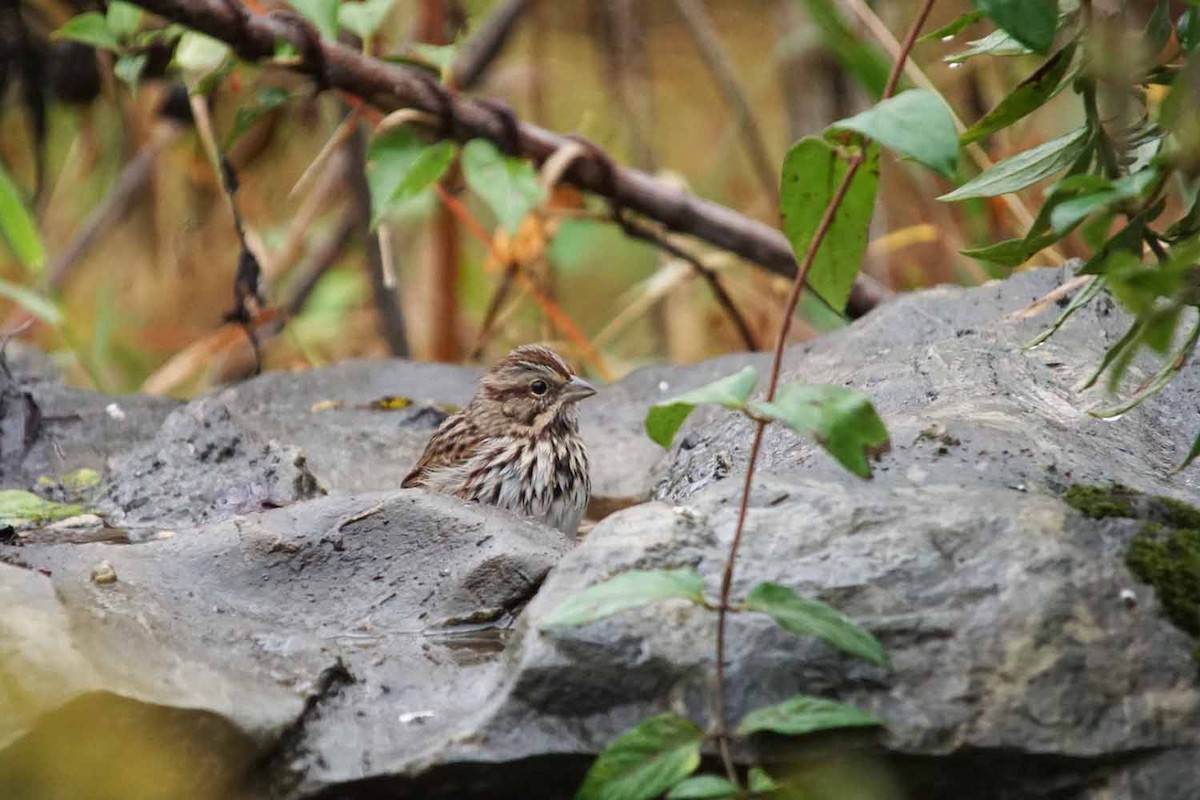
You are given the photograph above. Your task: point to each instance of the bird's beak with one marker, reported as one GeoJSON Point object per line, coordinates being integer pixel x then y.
{"type": "Point", "coordinates": [577, 389]}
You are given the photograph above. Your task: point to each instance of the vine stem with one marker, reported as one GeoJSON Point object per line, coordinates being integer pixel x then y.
{"type": "Point", "coordinates": [785, 324]}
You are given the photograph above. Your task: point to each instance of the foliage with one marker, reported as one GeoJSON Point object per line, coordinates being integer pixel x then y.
{"type": "Point", "coordinates": [17, 226]}
{"type": "Point", "coordinates": [18, 507]}
{"type": "Point", "coordinates": [1136, 156]}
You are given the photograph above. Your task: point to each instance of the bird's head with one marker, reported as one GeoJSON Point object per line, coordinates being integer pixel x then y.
{"type": "Point", "coordinates": [533, 386]}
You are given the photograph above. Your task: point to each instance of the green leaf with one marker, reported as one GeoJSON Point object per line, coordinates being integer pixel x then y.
{"type": "Point", "coordinates": [1011, 252]}
{"type": "Point", "coordinates": [264, 103]}
{"type": "Point", "coordinates": [802, 714]}
{"type": "Point", "coordinates": [1187, 30]}
{"type": "Point", "coordinates": [508, 185]}
{"type": "Point", "coordinates": [89, 28]}
{"type": "Point", "coordinates": [1029, 95]}
{"type": "Point", "coordinates": [865, 63]}
{"type": "Point", "coordinates": [1165, 375]}
{"type": "Point", "coordinates": [322, 13]}
{"type": "Point", "coordinates": [123, 19]}
{"type": "Point", "coordinates": [703, 787]}
{"type": "Point", "coordinates": [1033, 23]}
{"type": "Point", "coordinates": [626, 590]}
{"type": "Point", "coordinates": [1191, 456]}
{"type": "Point", "coordinates": [1081, 299]}
{"type": "Point", "coordinates": [1115, 353]}
{"type": "Point", "coordinates": [664, 419]}
{"type": "Point", "coordinates": [1025, 168]}
{"type": "Point", "coordinates": [363, 19]}
{"type": "Point", "coordinates": [645, 761]}
{"type": "Point", "coordinates": [401, 166]}
{"type": "Point", "coordinates": [953, 28]}
{"type": "Point", "coordinates": [199, 56]}
{"type": "Point", "coordinates": [439, 55]}
{"type": "Point", "coordinates": [17, 226]}
{"type": "Point", "coordinates": [811, 173]}
{"type": "Point", "coordinates": [761, 782]}
{"type": "Point", "coordinates": [916, 124]}
{"type": "Point", "coordinates": [41, 307]}
{"type": "Point", "coordinates": [996, 43]}
{"type": "Point", "coordinates": [20, 507]}
{"type": "Point", "coordinates": [128, 69]}
{"type": "Point", "coordinates": [842, 420]}
{"type": "Point", "coordinates": [1069, 213]}
{"type": "Point", "coordinates": [813, 618]}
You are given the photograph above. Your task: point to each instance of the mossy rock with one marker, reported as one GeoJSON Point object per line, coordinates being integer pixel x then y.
{"type": "Point", "coordinates": [1169, 560]}
{"type": "Point", "coordinates": [1118, 500]}
{"type": "Point", "coordinates": [1164, 554]}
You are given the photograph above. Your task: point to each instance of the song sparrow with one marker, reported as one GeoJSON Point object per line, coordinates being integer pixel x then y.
{"type": "Point", "coordinates": [516, 445]}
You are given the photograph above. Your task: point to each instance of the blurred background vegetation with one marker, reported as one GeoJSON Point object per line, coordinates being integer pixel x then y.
{"type": "Point", "coordinates": [143, 302]}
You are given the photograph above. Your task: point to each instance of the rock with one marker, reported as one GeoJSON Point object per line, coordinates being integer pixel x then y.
{"type": "Point", "coordinates": [966, 405]}
{"type": "Point", "coordinates": [1002, 614]}
{"type": "Point", "coordinates": [352, 447]}
{"type": "Point", "coordinates": [48, 430]}
{"type": "Point", "coordinates": [203, 466]}
{"type": "Point", "coordinates": [316, 641]}
{"type": "Point", "coordinates": [349, 446]}
{"type": "Point", "coordinates": [357, 645]}
{"type": "Point", "coordinates": [103, 573]}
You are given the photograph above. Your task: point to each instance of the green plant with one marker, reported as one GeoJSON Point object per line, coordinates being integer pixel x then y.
{"type": "Point", "coordinates": [827, 199]}
{"type": "Point", "coordinates": [1134, 74]}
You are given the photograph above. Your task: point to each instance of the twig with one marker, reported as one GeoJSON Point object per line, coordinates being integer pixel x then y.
{"type": "Point", "coordinates": [636, 230]}
{"type": "Point", "coordinates": [340, 135]}
{"type": "Point", "coordinates": [550, 308]}
{"type": "Point", "coordinates": [389, 87]}
{"type": "Point", "coordinates": [480, 51]}
{"type": "Point", "coordinates": [112, 209]}
{"type": "Point", "coordinates": [620, 44]}
{"type": "Point", "coordinates": [493, 310]}
{"type": "Point", "coordinates": [387, 301]}
{"type": "Point", "coordinates": [776, 364]}
{"type": "Point", "coordinates": [700, 26]}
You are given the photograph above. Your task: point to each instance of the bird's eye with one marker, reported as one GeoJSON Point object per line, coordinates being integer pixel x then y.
{"type": "Point", "coordinates": [538, 387]}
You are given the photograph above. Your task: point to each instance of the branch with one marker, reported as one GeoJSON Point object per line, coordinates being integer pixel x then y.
{"type": "Point", "coordinates": [709, 44]}
{"type": "Point", "coordinates": [760, 426]}
{"type": "Point", "coordinates": [481, 50]}
{"type": "Point", "coordinates": [389, 87]}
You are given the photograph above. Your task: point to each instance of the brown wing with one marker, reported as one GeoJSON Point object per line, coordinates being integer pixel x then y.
{"type": "Point", "coordinates": [452, 443]}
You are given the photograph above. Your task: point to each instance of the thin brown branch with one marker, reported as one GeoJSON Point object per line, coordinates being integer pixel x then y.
{"type": "Point", "coordinates": [389, 86]}
{"type": "Point", "coordinates": [637, 230]}
{"type": "Point", "coordinates": [760, 426]}
{"type": "Point", "coordinates": [700, 26]}
{"type": "Point", "coordinates": [127, 189]}
{"type": "Point", "coordinates": [480, 51]}
{"type": "Point", "coordinates": [387, 301]}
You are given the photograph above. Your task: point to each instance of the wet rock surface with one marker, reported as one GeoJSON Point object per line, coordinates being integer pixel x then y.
{"type": "Point", "coordinates": [264, 641]}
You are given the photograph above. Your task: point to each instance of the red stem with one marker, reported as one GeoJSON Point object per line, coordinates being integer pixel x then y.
{"type": "Point", "coordinates": [785, 325]}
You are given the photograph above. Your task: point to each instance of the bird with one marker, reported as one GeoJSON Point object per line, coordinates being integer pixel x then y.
{"type": "Point", "coordinates": [516, 445]}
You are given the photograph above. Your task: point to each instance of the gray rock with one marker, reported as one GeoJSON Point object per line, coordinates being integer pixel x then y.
{"type": "Point", "coordinates": [1002, 614]}
{"type": "Point", "coordinates": [357, 646]}
{"type": "Point", "coordinates": [352, 447]}
{"type": "Point", "coordinates": [966, 405]}
{"type": "Point", "coordinates": [326, 412]}
{"type": "Point", "coordinates": [47, 429]}
{"type": "Point", "coordinates": [317, 641]}
{"type": "Point", "coordinates": [203, 467]}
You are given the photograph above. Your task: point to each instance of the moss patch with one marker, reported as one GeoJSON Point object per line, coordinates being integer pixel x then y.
{"type": "Point", "coordinates": [1099, 502]}
{"type": "Point", "coordinates": [1164, 554]}
{"type": "Point", "coordinates": [1169, 560]}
